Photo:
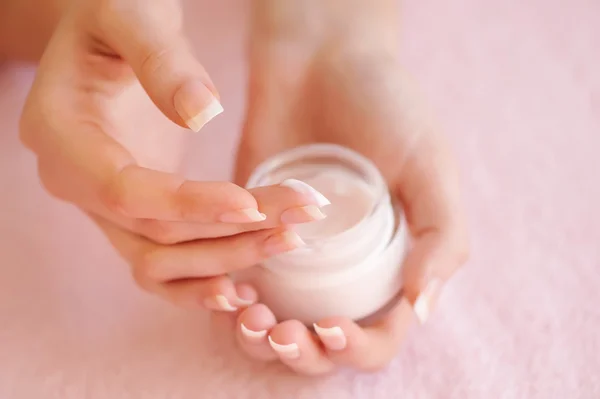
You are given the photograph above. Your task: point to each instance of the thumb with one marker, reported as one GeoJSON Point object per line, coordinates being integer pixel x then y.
{"type": "Point", "coordinates": [151, 40]}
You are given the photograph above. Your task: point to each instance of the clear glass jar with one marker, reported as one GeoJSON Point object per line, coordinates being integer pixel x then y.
{"type": "Point", "coordinates": [351, 264]}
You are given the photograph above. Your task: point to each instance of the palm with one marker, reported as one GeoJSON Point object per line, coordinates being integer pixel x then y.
{"type": "Point", "coordinates": [367, 105]}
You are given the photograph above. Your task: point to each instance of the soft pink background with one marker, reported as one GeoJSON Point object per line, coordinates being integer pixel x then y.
{"type": "Point", "coordinates": [517, 86]}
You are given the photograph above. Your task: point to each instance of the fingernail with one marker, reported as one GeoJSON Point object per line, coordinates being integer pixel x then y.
{"type": "Point", "coordinates": [196, 105]}
{"type": "Point", "coordinates": [243, 302]}
{"type": "Point", "coordinates": [424, 303]}
{"type": "Point", "coordinates": [249, 215]}
{"type": "Point", "coordinates": [219, 302]}
{"type": "Point", "coordinates": [283, 242]}
{"type": "Point", "coordinates": [290, 351]}
{"type": "Point", "coordinates": [251, 333]}
{"type": "Point", "coordinates": [302, 214]}
{"type": "Point", "coordinates": [303, 188]}
{"type": "Point", "coordinates": [333, 337]}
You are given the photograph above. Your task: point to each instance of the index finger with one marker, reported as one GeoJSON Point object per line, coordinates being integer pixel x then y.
{"type": "Point", "coordinates": [94, 171]}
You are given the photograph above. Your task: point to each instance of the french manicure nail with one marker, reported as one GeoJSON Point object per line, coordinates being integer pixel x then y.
{"type": "Point", "coordinates": [303, 188]}
{"type": "Point", "coordinates": [251, 333]}
{"type": "Point", "coordinates": [424, 302]}
{"type": "Point", "coordinates": [243, 302]}
{"type": "Point", "coordinates": [290, 351]}
{"type": "Point", "coordinates": [333, 337]}
{"type": "Point", "coordinates": [302, 214]}
{"type": "Point", "coordinates": [249, 215]}
{"type": "Point", "coordinates": [196, 105]}
{"type": "Point", "coordinates": [283, 242]}
{"type": "Point", "coordinates": [219, 302]}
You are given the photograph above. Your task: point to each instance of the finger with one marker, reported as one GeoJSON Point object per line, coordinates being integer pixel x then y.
{"type": "Point", "coordinates": [430, 263]}
{"type": "Point", "coordinates": [104, 175]}
{"type": "Point", "coordinates": [213, 293]}
{"type": "Point", "coordinates": [138, 192]}
{"type": "Point", "coordinates": [430, 192]}
{"type": "Point", "coordinates": [149, 36]}
{"type": "Point", "coordinates": [154, 264]}
{"type": "Point", "coordinates": [253, 325]}
{"type": "Point", "coordinates": [299, 349]}
{"type": "Point", "coordinates": [280, 205]}
{"type": "Point", "coordinates": [290, 202]}
{"type": "Point", "coordinates": [212, 257]}
{"type": "Point", "coordinates": [370, 348]}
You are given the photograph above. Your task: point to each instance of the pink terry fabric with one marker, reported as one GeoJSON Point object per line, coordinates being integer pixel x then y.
{"type": "Point", "coordinates": [516, 84]}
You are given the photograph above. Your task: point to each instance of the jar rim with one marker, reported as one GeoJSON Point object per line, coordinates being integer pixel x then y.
{"type": "Point", "coordinates": [335, 151]}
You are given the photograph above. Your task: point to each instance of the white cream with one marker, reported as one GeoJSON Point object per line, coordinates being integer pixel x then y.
{"type": "Point", "coordinates": [350, 202]}
{"type": "Point", "coordinates": [351, 265]}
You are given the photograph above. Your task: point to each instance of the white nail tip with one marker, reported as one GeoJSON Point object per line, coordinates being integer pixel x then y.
{"type": "Point", "coordinates": [328, 332]}
{"type": "Point", "coordinates": [293, 239]}
{"type": "Point", "coordinates": [244, 302]}
{"type": "Point", "coordinates": [422, 306]}
{"type": "Point", "coordinates": [303, 188]}
{"type": "Point", "coordinates": [224, 303]}
{"type": "Point", "coordinates": [314, 212]}
{"type": "Point", "coordinates": [206, 115]}
{"type": "Point", "coordinates": [251, 333]}
{"type": "Point", "coordinates": [254, 215]}
{"type": "Point", "coordinates": [289, 351]}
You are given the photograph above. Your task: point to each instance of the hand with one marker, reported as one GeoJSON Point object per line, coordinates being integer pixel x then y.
{"type": "Point", "coordinates": [356, 95]}
{"type": "Point", "coordinates": [85, 119]}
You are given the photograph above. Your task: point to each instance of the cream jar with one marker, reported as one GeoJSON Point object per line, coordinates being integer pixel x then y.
{"type": "Point", "coordinates": [351, 263]}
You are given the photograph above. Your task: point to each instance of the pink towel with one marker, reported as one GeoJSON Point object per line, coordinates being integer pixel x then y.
{"type": "Point", "coordinates": [516, 84]}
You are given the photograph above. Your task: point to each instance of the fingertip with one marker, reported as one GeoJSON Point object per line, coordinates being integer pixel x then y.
{"type": "Point", "coordinates": [337, 333]}
{"type": "Point", "coordinates": [246, 295]}
{"type": "Point", "coordinates": [333, 338]}
{"type": "Point", "coordinates": [285, 338]}
{"type": "Point", "coordinates": [220, 294]}
{"type": "Point", "coordinates": [257, 317]}
{"type": "Point", "coordinates": [367, 349]}
{"type": "Point", "coordinates": [220, 303]}
{"type": "Point", "coordinates": [425, 301]}
{"type": "Point", "coordinates": [299, 349]}
{"type": "Point", "coordinates": [196, 104]}
{"type": "Point", "coordinates": [220, 202]}
{"type": "Point", "coordinates": [247, 215]}
{"type": "Point", "coordinates": [253, 325]}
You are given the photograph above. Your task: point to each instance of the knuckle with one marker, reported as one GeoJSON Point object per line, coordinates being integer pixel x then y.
{"type": "Point", "coordinates": [159, 231]}
{"type": "Point", "coordinates": [115, 197]}
{"type": "Point", "coordinates": [154, 62]}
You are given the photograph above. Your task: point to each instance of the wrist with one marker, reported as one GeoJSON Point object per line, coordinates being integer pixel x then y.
{"type": "Point", "coordinates": [296, 32]}
{"type": "Point", "coordinates": [311, 24]}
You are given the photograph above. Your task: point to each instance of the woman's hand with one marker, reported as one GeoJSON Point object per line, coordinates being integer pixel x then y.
{"type": "Point", "coordinates": [85, 120]}
{"type": "Point", "coordinates": [309, 86]}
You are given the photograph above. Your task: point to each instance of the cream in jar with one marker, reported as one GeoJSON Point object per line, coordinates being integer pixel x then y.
{"type": "Point", "coordinates": [351, 263]}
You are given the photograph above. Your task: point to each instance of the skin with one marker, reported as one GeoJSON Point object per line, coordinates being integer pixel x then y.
{"type": "Point", "coordinates": [350, 89]}
{"type": "Point", "coordinates": [332, 62]}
